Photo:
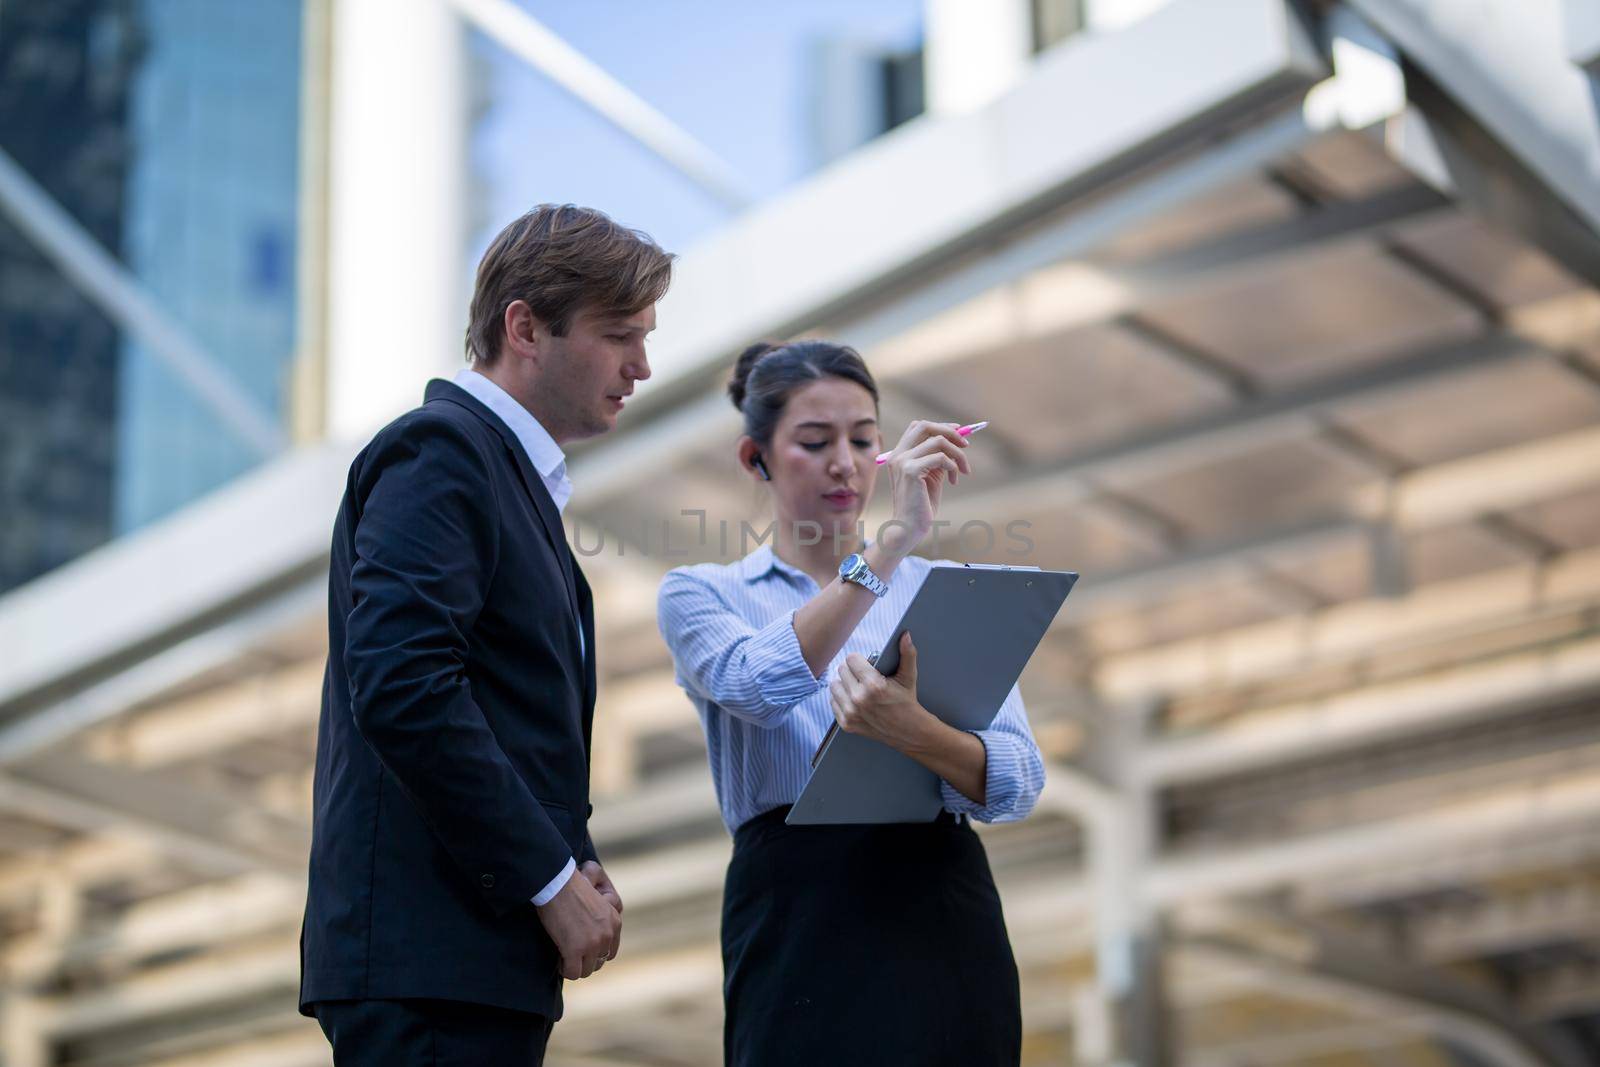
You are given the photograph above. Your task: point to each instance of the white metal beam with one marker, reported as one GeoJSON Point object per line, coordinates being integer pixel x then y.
{"type": "Point", "coordinates": [1541, 807]}
{"type": "Point", "coordinates": [221, 645]}
{"type": "Point", "coordinates": [157, 582]}
{"type": "Point", "coordinates": [1487, 1038]}
{"type": "Point", "coordinates": [90, 859]}
{"type": "Point", "coordinates": [166, 805]}
{"type": "Point", "coordinates": [1247, 654]}
{"type": "Point", "coordinates": [1372, 714]}
{"type": "Point", "coordinates": [1366, 1036]}
{"type": "Point", "coordinates": [667, 801]}
{"type": "Point", "coordinates": [532, 42]}
{"type": "Point", "coordinates": [203, 917]}
{"type": "Point", "coordinates": [1507, 65]}
{"type": "Point", "coordinates": [1485, 861]}
{"type": "Point", "coordinates": [177, 988]}
{"type": "Point", "coordinates": [1047, 283]}
{"type": "Point", "coordinates": [1242, 428]}
{"type": "Point", "coordinates": [1032, 287]}
{"type": "Point", "coordinates": [1562, 993]}
{"type": "Point", "coordinates": [262, 706]}
{"type": "Point", "coordinates": [1582, 28]}
{"type": "Point", "coordinates": [1515, 918]}
{"type": "Point", "coordinates": [54, 807]}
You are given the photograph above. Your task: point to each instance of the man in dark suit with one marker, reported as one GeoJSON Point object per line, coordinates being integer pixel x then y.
{"type": "Point", "coordinates": [453, 882]}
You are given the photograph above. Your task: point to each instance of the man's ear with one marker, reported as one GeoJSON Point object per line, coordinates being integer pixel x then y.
{"type": "Point", "coordinates": [522, 331]}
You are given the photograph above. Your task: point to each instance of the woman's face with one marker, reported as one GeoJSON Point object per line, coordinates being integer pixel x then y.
{"type": "Point", "coordinates": [823, 456]}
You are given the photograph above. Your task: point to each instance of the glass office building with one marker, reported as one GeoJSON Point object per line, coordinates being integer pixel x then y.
{"type": "Point", "coordinates": [169, 132]}
{"type": "Point", "coordinates": [66, 72]}
{"type": "Point", "coordinates": [210, 231]}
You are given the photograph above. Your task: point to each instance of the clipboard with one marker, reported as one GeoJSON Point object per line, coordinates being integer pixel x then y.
{"type": "Point", "coordinates": [976, 626]}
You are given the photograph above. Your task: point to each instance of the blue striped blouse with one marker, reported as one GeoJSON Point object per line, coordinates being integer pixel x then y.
{"type": "Point", "coordinates": [731, 632]}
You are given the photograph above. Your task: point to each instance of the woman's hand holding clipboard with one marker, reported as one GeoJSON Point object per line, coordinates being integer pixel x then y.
{"type": "Point", "coordinates": [979, 626]}
{"type": "Point", "coordinates": [878, 706]}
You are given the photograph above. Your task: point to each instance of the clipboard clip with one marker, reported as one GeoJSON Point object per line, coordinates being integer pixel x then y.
{"type": "Point", "coordinates": [999, 567]}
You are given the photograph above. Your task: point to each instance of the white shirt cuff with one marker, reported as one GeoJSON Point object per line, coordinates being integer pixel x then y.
{"type": "Point", "coordinates": [548, 893]}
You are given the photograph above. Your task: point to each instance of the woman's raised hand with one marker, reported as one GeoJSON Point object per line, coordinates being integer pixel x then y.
{"type": "Point", "coordinates": [928, 453]}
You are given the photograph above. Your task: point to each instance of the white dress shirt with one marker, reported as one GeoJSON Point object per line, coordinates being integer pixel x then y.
{"type": "Point", "coordinates": [551, 463]}
{"type": "Point", "coordinates": [543, 452]}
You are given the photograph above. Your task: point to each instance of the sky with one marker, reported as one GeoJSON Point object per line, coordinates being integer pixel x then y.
{"type": "Point", "coordinates": [732, 74]}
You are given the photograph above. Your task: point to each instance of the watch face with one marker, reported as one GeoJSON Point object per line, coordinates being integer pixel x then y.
{"type": "Point", "coordinates": [848, 564]}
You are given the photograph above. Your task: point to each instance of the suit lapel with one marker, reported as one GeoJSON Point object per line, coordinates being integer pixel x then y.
{"type": "Point", "coordinates": [543, 506]}
{"type": "Point", "coordinates": [586, 617]}
{"type": "Point", "coordinates": [549, 517]}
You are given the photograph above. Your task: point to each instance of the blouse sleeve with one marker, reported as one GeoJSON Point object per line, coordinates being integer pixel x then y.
{"type": "Point", "coordinates": [1014, 772]}
{"type": "Point", "coordinates": [754, 674]}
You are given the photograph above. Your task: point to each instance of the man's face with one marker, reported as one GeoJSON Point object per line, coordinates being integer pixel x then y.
{"type": "Point", "coordinates": [585, 375]}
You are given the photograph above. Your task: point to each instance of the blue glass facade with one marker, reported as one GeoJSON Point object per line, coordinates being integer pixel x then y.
{"type": "Point", "coordinates": [210, 229]}
{"type": "Point", "coordinates": [66, 69]}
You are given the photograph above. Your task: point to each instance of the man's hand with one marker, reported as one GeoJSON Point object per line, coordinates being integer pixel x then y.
{"type": "Point", "coordinates": [585, 925]}
{"type": "Point", "coordinates": [602, 882]}
{"type": "Point", "coordinates": [603, 885]}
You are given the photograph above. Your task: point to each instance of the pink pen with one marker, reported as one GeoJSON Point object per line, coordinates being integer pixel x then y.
{"type": "Point", "coordinates": [965, 431]}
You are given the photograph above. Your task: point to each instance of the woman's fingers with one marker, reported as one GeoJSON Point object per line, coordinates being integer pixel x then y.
{"type": "Point", "coordinates": [915, 431]}
{"type": "Point", "coordinates": [929, 453]}
{"type": "Point", "coordinates": [852, 684]}
{"type": "Point", "coordinates": [936, 459]}
{"type": "Point", "coordinates": [938, 462]}
{"type": "Point", "coordinates": [859, 666]}
{"type": "Point", "coordinates": [923, 430]}
{"type": "Point", "coordinates": [841, 704]}
{"type": "Point", "coordinates": [955, 449]}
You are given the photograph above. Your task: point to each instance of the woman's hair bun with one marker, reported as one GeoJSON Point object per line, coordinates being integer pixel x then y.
{"type": "Point", "coordinates": [741, 370]}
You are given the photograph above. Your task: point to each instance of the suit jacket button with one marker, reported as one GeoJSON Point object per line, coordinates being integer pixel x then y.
{"type": "Point", "coordinates": [487, 881]}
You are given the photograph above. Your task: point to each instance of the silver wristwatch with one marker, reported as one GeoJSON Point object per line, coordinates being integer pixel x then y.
{"type": "Point", "coordinates": [854, 569]}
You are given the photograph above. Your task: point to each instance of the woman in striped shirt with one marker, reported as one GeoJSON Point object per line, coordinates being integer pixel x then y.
{"type": "Point", "coordinates": [878, 944]}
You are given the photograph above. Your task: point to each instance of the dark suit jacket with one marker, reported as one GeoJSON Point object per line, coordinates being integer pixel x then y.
{"type": "Point", "coordinates": [452, 774]}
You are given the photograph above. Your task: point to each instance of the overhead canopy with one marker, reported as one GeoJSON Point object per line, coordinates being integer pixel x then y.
{"type": "Point", "coordinates": [1320, 430]}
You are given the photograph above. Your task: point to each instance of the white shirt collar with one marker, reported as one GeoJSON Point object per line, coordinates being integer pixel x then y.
{"type": "Point", "coordinates": [543, 452]}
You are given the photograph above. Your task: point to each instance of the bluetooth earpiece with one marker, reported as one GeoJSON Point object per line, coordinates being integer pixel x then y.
{"type": "Point", "coordinates": [760, 465]}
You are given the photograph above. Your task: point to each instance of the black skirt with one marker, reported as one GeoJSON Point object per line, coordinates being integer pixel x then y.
{"type": "Point", "coordinates": [871, 945]}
